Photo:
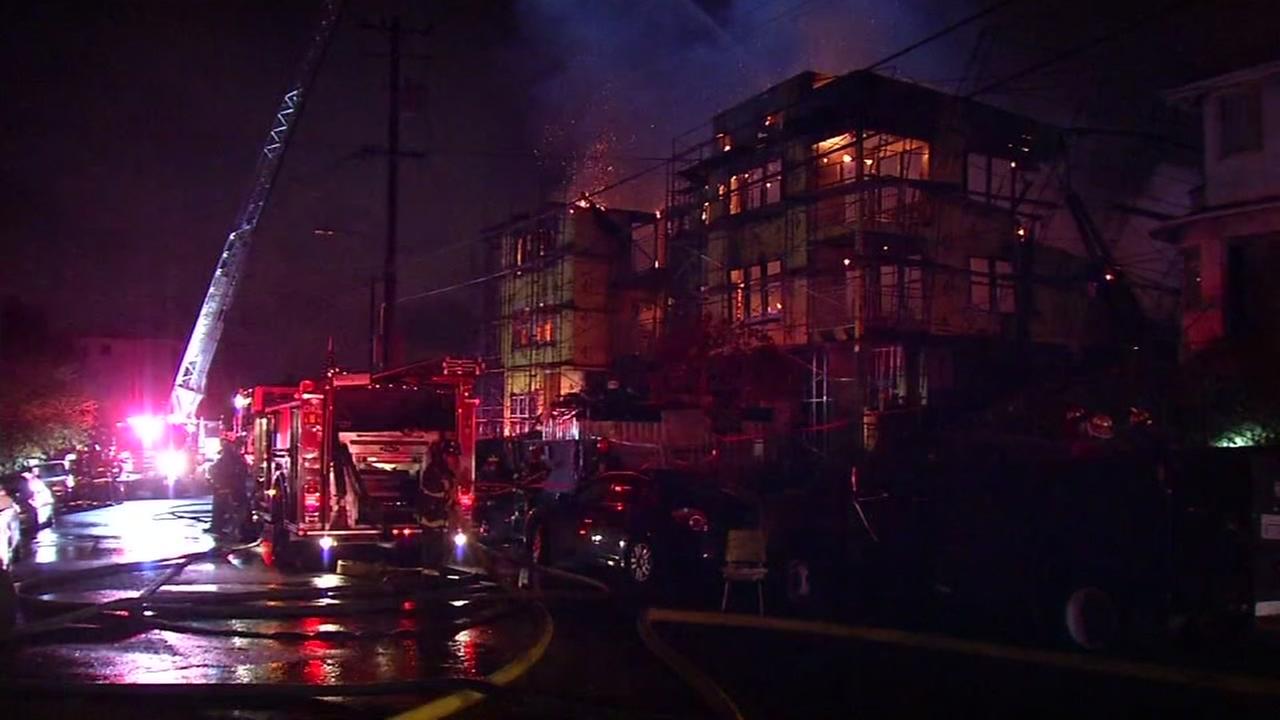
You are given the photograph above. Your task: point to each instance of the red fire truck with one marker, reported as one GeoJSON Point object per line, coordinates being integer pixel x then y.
{"type": "Point", "coordinates": [340, 462]}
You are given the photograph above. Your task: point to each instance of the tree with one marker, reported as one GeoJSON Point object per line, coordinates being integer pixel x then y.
{"type": "Point", "coordinates": [1227, 395]}
{"type": "Point", "coordinates": [42, 409]}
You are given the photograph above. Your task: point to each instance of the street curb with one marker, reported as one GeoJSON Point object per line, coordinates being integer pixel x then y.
{"type": "Point", "coordinates": [457, 701]}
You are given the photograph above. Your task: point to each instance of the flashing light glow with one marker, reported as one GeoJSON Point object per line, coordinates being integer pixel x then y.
{"type": "Point", "coordinates": [148, 428]}
{"type": "Point", "coordinates": [172, 463]}
{"type": "Point", "coordinates": [459, 538]}
{"type": "Point", "coordinates": [847, 261]}
{"type": "Point", "coordinates": [326, 542]}
{"type": "Point", "coordinates": [240, 402]}
{"type": "Point", "coordinates": [846, 158]}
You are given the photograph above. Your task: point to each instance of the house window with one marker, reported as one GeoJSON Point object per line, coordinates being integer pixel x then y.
{"type": "Point", "coordinates": [544, 329]}
{"type": "Point", "coordinates": [756, 291]}
{"type": "Point", "coordinates": [888, 378]}
{"type": "Point", "coordinates": [735, 195]}
{"type": "Point", "coordinates": [527, 247]}
{"type": "Point", "coordinates": [1192, 295]}
{"type": "Point", "coordinates": [524, 405]}
{"type": "Point", "coordinates": [991, 285]}
{"type": "Point", "coordinates": [1240, 122]}
{"type": "Point", "coordinates": [522, 329]}
{"type": "Point", "coordinates": [757, 187]}
{"type": "Point", "coordinates": [886, 155]}
{"type": "Point", "coordinates": [529, 328]}
{"type": "Point", "coordinates": [990, 178]}
{"type": "Point", "coordinates": [899, 292]}
{"type": "Point", "coordinates": [835, 160]}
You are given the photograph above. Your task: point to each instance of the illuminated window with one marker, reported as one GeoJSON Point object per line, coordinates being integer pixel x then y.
{"type": "Point", "coordinates": [888, 155]}
{"type": "Point", "coordinates": [735, 195]}
{"type": "Point", "coordinates": [737, 295]}
{"type": "Point", "coordinates": [835, 160]}
{"type": "Point", "coordinates": [529, 246]}
{"type": "Point", "coordinates": [756, 291]}
{"type": "Point", "coordinates": [545, 329]}
{"type": "Point", "coordinates": [522, 329]}
{"type": "Point", "coordinates": [524, 405]}
{"type": "Point", "coordinates": [991, 285]}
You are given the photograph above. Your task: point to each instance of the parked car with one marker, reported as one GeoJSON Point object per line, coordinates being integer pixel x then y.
{"type": "Point", "coordinates": [34, 500]}
{"type": "Point", "coordinates": [57, 477]}
{"type": "Point", "coordinates": [10, 531]}
{"type": "Point", "coordinates": [650, 525]}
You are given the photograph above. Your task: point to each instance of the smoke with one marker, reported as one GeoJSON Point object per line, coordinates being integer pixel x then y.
{"type": "Point", "coordinates": [631, 79]}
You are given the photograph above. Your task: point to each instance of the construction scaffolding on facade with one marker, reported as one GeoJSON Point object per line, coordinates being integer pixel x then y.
{"type": "Point", "coordinates": [576, 288]}
{"type": "Point", "coordinates": [871, 228]}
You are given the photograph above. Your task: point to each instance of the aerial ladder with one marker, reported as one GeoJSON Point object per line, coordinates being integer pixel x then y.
{"type": "Point", "coordinates": [193, 372]}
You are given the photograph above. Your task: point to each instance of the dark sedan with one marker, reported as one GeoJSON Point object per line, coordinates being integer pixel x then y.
{"type": "Point", "coordinates": [650, 525]}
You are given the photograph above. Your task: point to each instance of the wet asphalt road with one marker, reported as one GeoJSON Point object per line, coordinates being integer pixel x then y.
{"type": "Point", "coordinates": [594, 666]}
{"type": "Point", "coordinates": [364, 633]}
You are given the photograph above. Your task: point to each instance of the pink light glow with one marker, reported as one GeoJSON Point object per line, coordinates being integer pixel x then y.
{"type": "Point", "coordinates": [148, 428]}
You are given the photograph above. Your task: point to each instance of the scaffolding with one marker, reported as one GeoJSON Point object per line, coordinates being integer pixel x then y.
{"type": "Point", "coordinates": [827, 215]}
{"type": "Point", "coordinates": [569, 295]}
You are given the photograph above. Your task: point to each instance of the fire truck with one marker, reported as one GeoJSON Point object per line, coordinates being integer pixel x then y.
{"type": "Point", "coordinates": [340, 461]}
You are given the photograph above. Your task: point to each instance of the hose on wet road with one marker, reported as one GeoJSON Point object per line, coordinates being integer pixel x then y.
{"type": "Point", "coordinates": [159, 606]}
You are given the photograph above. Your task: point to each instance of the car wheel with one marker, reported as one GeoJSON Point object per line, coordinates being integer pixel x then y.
{"type": "Point", "coordinates": [799, 583]}
{"type": "Point", "coordinates": [1091, 617]}
{"type": "Point", "coordinates": [640, 562]}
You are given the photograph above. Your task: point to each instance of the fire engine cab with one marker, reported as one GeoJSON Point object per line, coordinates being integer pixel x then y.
{"type": "Point", "coordinates": [341, 461]}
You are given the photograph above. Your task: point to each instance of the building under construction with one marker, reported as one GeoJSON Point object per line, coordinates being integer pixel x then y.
{"type": "Point", "coordinates": [880, 233]}
{"type": "Point", "coordinates": [576, 294]}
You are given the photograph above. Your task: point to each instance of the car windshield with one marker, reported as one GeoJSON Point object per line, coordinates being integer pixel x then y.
{"type": "Point", "coordinates": [49, 470]}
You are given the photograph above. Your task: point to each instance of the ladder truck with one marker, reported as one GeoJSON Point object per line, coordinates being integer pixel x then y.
{"type": "Point", "coordinates": [193, 372]}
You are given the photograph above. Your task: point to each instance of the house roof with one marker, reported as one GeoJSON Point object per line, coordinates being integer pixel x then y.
{"type": "Point", "coordinates": [1193, 93]}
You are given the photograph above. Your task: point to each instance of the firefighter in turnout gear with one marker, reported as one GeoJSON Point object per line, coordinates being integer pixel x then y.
{"type": "Point", "coordinates": [230, 477]}
{"type": "Point", "coordinates": [435, 500]}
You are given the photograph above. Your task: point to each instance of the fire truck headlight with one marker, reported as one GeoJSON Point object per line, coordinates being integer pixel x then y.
{"type": "Point", "coordinates": [459, 538]}
{"type": "Point", "coordinates": [171, 463]}
{"type": "Point", "coordinates": [326, 542]}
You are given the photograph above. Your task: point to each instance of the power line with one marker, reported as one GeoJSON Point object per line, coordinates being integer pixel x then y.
{"type": "Point", "coordinates": [1084, 47]}
{"type": "Point", "coordinates": [917, 45]}
{"type": "Point", "coordinates": [940, 33]}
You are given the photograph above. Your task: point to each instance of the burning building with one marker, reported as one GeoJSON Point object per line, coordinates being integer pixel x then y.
{"type": "Point", "coordinates": [883, 235]}
{"type": "Point", "coordinates": [576, 289]}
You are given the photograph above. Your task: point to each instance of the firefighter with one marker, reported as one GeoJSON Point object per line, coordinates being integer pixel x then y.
{"type": "Point", "coordinates": [435, 500]}
{"type": "Point", "coordinates": [229, 474]}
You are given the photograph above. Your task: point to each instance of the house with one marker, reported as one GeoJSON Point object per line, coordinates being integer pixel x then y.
{"type": "Point", "coordinates": [128, 375]}
{"type": "Point", "coordinates": [576, 291]}
{"type": "Point", "coordinates": [1231, 239]}
{"type": "Point", "coordinates": [883, 236]}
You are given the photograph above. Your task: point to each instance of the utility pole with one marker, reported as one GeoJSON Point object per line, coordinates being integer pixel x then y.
{"type": "Point", "coordinates": [387, 329]}
{"type": "Point", "coordinates": [386, 351]}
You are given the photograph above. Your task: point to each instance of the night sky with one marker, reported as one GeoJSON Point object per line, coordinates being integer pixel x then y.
{"type": "Point", "coordinates": [130, 131]}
